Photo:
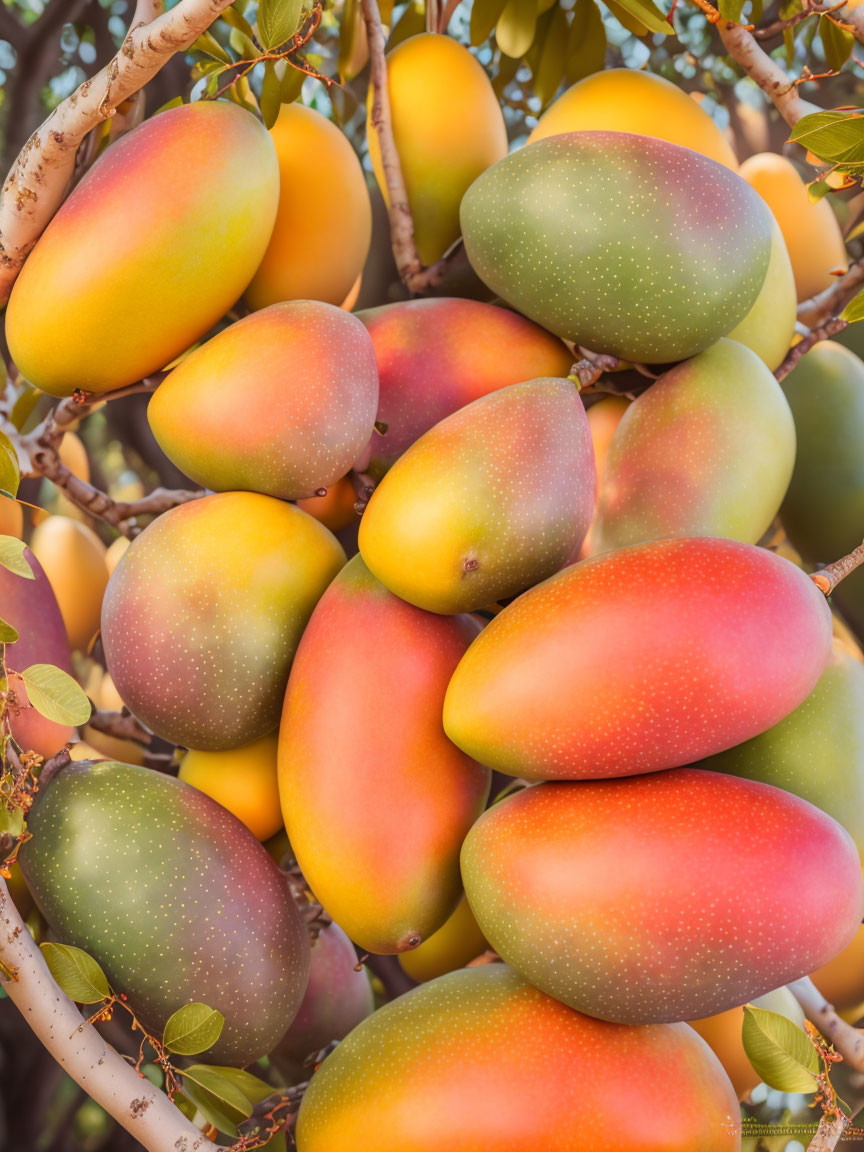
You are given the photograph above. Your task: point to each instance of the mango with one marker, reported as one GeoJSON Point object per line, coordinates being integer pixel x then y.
{"type": "Point", "coordinates": [338, 996]}
{"type": "Point", "coordinates": [769, 326]}
{"type": "Point", "coordinates": [722, 1033]}
{"type": "Point", "coordinates": [463, 1063]}
{"type": "Point", "coordinates": [626, 100]}
{"type": "Point", "coordinates": [115, 550]}
{"type": "Point", "coordinates": [102, 746]}
{"type": "Point", "coordinates": [455, 944]}
{"type": "Point", "coordinates": [437, 355]}
{"type": "Point", "coordinates": [841, 980]}
{"type": "Point", "coordinates": [243, 780]}
{"type": "Point", "coordinates": [73, 558]}
{"type": "Point", "coordinates": [336, 508]}
{"type": "Point", "coordinates": [11, 517]}
{"type": "Point", "coordinates": [708, 450]}
{"type": "Point", "coordinates": [817, 751]}
{"type": "Point", "coordinates": [324, 220]}
{"type": "Point", "coordinates": [621, 243]}
{"type": "Point", "coordinates": [309, 385]}
{"type": "Point", "coordinates": [168, 227]}
{"type": "Point", "coordinates": [255, 567]}
{"type": "Point", "coordinates": [823, 512]}
{"type": "Point", "coordinates": [488, 502]}
{"type": "Point", "coordinates": [811, 230]}
{"type": "Point", "coordinates": [640, 901]}
{"type": "Point", "coordinates": [31, 607]}
{"type": "Point", "coordinates": [603, 420]}
{"type": "Point", "coordinates": [173, 897]}
{"type": "Point", "coordinates": [376, 812]}
{"type": "Point", "coordinates": [448, 128]}
{"type": "Point", "coordinates": [689, 644]}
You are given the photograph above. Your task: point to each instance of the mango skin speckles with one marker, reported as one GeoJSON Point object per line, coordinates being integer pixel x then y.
{"type": "Point", "coordinates": [173, 896]}
{"type": "Point", "coordinates": [647, 657]}
{"type": "Point", "coordinates": [665, 897]}
{"type": "Point", "coordinates": [479, 1061]}
{"type": "Point", "coordinates": [203, 614]}
{"type": "Point", "coordinates": [624, 244]}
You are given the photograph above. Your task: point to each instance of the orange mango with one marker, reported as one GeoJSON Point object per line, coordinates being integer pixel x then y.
{"type": "Point", "coordinates": [243, 780]}
{"type": "Point", "coordinates": [376, 811]}
{"type": "Point", "coordinates": [455, 944]}
{"type": "Point", "coordinates": [73, 557]}
{"type": "Point", "coordinates": [448, 128]}
{"type": "Point", "coordinates": [335, 509]}
{"type": "Point", "coordinates": [154, 245]}
{"type": "Point", "coordinates": [324, 220]}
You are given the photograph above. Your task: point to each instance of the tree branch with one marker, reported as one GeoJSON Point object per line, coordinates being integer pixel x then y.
{"type": "Point", "coordinates": [123, 725]}
{"type": "Point", "coordinates": [847, 1040]}
{"type": "Point", "coordinates": [37, 182]}
{"type": "Point", "coordinates": [822, 332]}
{"type": "Point", "coordinates": [835, 298]}
{"type": "Point", "coordinates": [78, 1048]}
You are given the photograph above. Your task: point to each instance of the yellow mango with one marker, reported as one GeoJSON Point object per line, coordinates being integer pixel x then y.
{"type": "Point", "coordinates": [769, 326]}
{"type": "Point", "coordinates": [324, 221]}
{"type": "Point", "coordinates": [73, 557]}
{"type": "Point", "coordinates": [243, 780]}
{"type": "Point", "coordinates": [448, 128]}
{"type": "Point", "coordinates": [624, 100]}
{"type": "Point", "coordinates": [457, 942]}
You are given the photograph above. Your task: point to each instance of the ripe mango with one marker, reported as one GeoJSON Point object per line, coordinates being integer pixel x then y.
{"type": "Point", "coordinates": [243, 780]}
{"type": "Point", "coordinates": [100, 688]}
{"type": "Point", "coordinates": [11, 517]}
{"type": "Point", "coordinates": [811, 230]}
{"type": "Point", "coordinates": [479, 1059]}
{"type": "Point", "coordinates": [324, 220]}
{"type": "Point", "coordinates": [708, 450]}
{"type": "Point", "coordinates": [455, 944]}
{"type": "Point", "coordinates": [689, 644]}
{"type": "Point", "coordinates": [823, 512]}
{"type": "Point", "coordinates": [722, 1033]}
{"type": "Point", "coordinates": [306, 375]}
{"type": "Point", "coordinates": [841, 980]}
{"type": "Point", "coordinates": [336, 508]}
{"type": "Point", "coordinates": [173, 897]}
{"type": "Point", "coordinates": [603, 420]}
{"type": "Point", "coordinates": [437, 355]}
{"type": "Point", "coordinates": [817, 751]}
{"type": "Point", "coordinates": [626, 100]}
{"type": "Point", "coordinates": [338, 996]}
{"type": "Point", "coordinates": [168, 227]}
{"type": "Point", "coordinates": [448, 128]}
{"type": "Point", "coordinates": [31, 607]}
{"type": "Point", "coordinates": [769, 326]}
{"type": "Point", "coordinates": [644, 900]}
{"type": "Point", "coordinates": [73, 558]}
{"type": "Point", "coordinates": [376, 811]}
{"type": "Point", "coordinates": [204, 611]}
{"type": "Point", "coordinates": [488, 502]}
{"type": "Point", "coordinates": [621, 243]}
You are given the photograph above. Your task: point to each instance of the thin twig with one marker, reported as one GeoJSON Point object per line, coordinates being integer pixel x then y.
{"type": "Point", "coordinates": [827, 578]}
{"type": "Point", "coordinates": [834, 299]}
{"type": "Point", "coordinates": [822, 332]}
{"type": "Point", "coordinates": [847, 1040]}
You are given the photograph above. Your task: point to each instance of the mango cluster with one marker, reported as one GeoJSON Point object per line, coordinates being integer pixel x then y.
{"type": "Point", "coordinates": [547, 694]}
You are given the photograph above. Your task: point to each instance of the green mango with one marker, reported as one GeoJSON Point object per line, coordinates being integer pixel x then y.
{"type": "Point", "coordinates": [769, 326]}
{"type": "Point", "coordinates": [708, 450]}
{"type": "Point", "coordinates": [624, 244]}
{"type": "Point", "coordinates": [817, 751]}
{"type": "Point", "coordinates": [173, 896]}
{"type": "Point", "coordinates": [823, 512]}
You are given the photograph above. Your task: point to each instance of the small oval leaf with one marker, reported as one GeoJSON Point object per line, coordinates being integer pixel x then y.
{"type": "Point", "coordinates": [780, 1051]}
{"type": "Point", "coordinates": [10, 471]}
{"type": "Point", "coordinates": [193, 1028]}
{"type": "Point", "coordinates": [837, 43]}
{"type": "Point", "coordinates": [586, 47]}
{"type": "Point", "coordinates": [516, 26]}
{"type": "Point", "coordinates": [76, 973]}
{"type": "Point", "coordinates": [8, 634]}
{"type": "Point", "coordinates": [854, 310]}
{"type": "Point", "coordinates": [12, 557]}
{"type": "Point", "coordinates": [217, 1097]}
{"type": "Point", "coordinates": [55, 695]}
{"type": "Point", "coordinates": [277, 21]}
{"type": "Point", "coordinates": [484, 16]}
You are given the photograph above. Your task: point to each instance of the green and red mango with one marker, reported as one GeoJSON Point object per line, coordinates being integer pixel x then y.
{"type": "Point", "coordinates": [154, 245]}
{"type": "Point", "coordinates": [648, 657]}
{"type": "Point", "coordinates": [173, 896]}
{"type": "Point", "coordinates": [376, 799]}
{"type": "Point", "coordinates": [669, 896]}
{"type": "Point", "coordinates": [305, 377]}
{"type": "Point", "coordinates": [479, 1059]}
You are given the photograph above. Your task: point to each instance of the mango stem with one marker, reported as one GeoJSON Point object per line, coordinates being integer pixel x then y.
{"type": "Point", "coordinates": [827, 578]}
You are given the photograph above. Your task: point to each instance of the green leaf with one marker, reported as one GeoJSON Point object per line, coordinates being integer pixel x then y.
{"type": "Point", "coordinates": [10, 472]}
{"type": "Point", "coordinates": [484, 16]}
{"type": "Point", "coordinates": [410, 23]}
{"type": "Point", "coordinates": [644, 13]}
{"type": "Point", "coordinates": [731, 10]}
{"type": "Point", "coordinates": [55, 695]}
{"type": "Point", "coordinates": [27, 399]}
{"type": "Point", "coordinates": [210, 46]}
{"type": "Point", "coordinates": [515, 28]}
{"type": "Point", "coordinates": [291, 84]}
{"type": "Point", "coordinates": [277, 21]}
{"type": "Point", "coordinates": [854, 310]}
{"type": "Point", "coordinates": [234, 18]}
{"type": "Point", "coordinates": [352, 41]}
{"type": "Point", "coordinates": [271, 95]}
{"type": "Point", "coordinates": [553, 57]}
{"type": "Point", "coordinates": [835, 137]}
{"type": "Point", "coordinates": [243, 45]}
{"type": "Point", "coordinates": [193, 1028]}
{"type": "Point", "coordinates": [11, 821]}
{"type": "Point", "coordinates": [586, 47]}
{"type": "Point", "coordinates": [217, 1096]}
{"type": "Point", "coordinates": [780, 1051]}
{"type": "Point", "coordinates": [8, 635]}
{"type": "Point", "coordinates": [251, 1086]}
{"type": "Point", "coordinates": [837, 43]}
{"type": "Point", "coordinates": [12, 557]}
{"type": "Point", "coordinates": [76, 973]}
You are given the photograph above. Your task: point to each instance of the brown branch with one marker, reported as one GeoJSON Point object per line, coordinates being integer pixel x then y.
{"type": "Point", "coordinates": [123, 725]}
{"type": "Point", "coordinates": [37, 182]}
{"type": "Point", "coordinates": [78, 1048]}
{"type": "Point", "coordinates": [828, 1134]}
{"type": "Point", "coordinates": [847, 1040]}
{"type": "Point", "coordinates": [834, 299]}
{"type": "Point", "coordinates": [823, 332]}
{"type": "Point", "coordinates": [827, 578]}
